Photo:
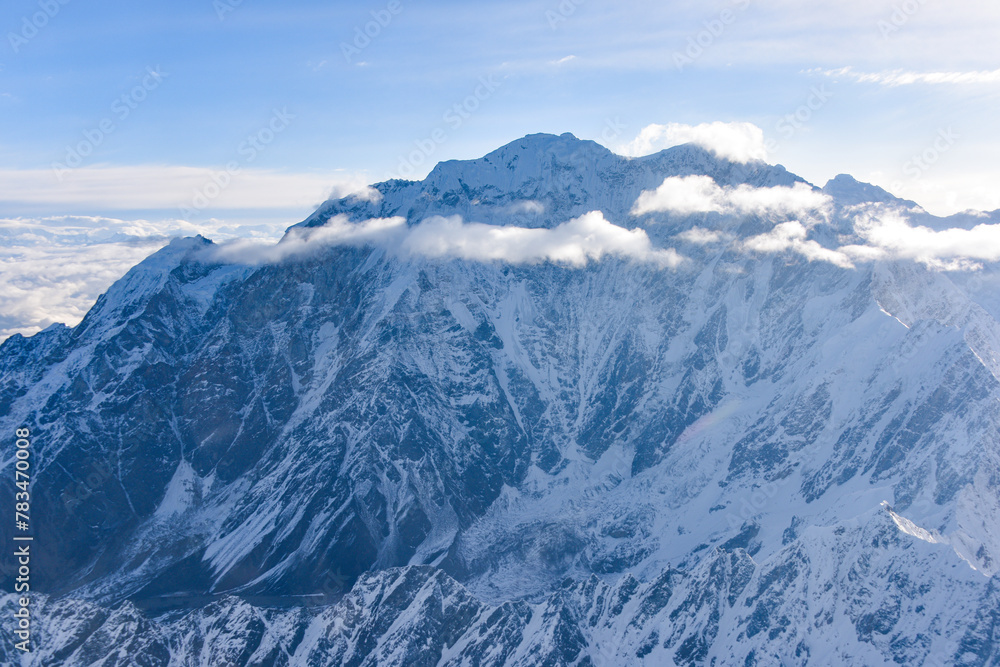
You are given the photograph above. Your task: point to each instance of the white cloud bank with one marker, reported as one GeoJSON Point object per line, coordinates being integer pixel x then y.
{"type": "Point", "coordinates": [884, 233]}
{"type": "Point", "coordinates": [53, 269]}
{"type": "Point", "coordinates": [41, 286]}
{"type": "Point", "coordinates": [888, 234]}
{"type": "Point", "coordinates": [701, 194]}
{"type": "Point", "coordinates": [737, 142]}
{"type": "Point", "coordinates": [587, 238]}
{"type": "Point", "coordinates": [577, 242]}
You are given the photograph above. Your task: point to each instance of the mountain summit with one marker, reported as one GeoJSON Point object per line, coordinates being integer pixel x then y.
{"type": "Point", "coordinates": [562, 177]}
{"type": "Point", "coordinates": [553, 406]}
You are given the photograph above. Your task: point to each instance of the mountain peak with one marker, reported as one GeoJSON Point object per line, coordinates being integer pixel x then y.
{"type": "Point", "coordinates": [848, 191]}
{"type": "Point", "coordinates": [543, 141]}
{"type": "Point", "coordinates": [542, 180]}
{"type": "Point", "coordinates": [530, 157]}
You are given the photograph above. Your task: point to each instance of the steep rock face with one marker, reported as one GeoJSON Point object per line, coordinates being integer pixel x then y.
{"type": "Point", "coordinates": [398, 460]}
{"type": "Point", "coordinates": [862, 592]}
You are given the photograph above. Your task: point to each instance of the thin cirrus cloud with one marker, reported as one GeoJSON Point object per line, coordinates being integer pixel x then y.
{"type": "Point", "coordinates": [898, 77]}
{"type": "Point", "coordinates": [737, 142]}
{"type": "Point", "coordinates": [172, 187]}
{"type": "Point", "coordinates": [590, 237]}
{"type": "Point", "coordinates": [563, 61]}
{"type": "Point", "coordinates": [686, 195]}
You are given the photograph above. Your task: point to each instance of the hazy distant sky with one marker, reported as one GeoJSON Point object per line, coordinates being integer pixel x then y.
{"type": "Point", "coordinates": [116, 111]}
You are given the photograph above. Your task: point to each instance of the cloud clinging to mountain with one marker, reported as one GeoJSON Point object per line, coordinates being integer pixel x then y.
{"type": "Point", "coordinates": [737, 142]}
{"type": "Point", "coordinates": [701, 194]}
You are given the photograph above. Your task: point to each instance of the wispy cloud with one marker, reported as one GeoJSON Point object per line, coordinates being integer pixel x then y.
{"type": "Point", "coordinates": [700, 236]}
{"type": "Point", "coordinates": [300, 241]}
{"type": "Point", "coordinates": [563, 61]}
{"type": "Point", "coordinates": [701, 194]}
{"type": "Point", "coordinates": [898, 77]}
{"type": "Point", "coordinates": [738, 142]}
{"type": "Point", "coordinates": [528, 206]}
{"type": "Point", "coordinates": [587, 238]}
{"type": "Point", "coordinates": [792, 236]}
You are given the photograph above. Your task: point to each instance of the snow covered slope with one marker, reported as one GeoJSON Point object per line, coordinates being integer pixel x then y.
{"type": "Point", "coordinates": [781, 448]}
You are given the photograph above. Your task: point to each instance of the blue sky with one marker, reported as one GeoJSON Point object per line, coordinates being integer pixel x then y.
{"type": "Point", "coordinates": [163, 96]}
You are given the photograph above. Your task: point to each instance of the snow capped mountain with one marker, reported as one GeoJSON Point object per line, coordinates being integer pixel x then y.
{"type": "Point", "coordinates": [553, 406]}
{"type": "Point", "coordinates": [543, 180]}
